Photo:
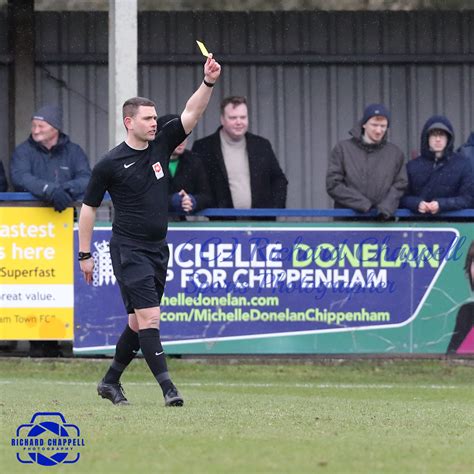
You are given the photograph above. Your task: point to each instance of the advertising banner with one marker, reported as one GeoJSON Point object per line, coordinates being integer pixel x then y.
{"type": "Point", "coordinates": [302, 289]}
{"type": "Point", "coordinates": [36, 274]}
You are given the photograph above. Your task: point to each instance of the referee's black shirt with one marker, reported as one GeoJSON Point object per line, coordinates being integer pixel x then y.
{"type": "Point", "coordinates": [137, 181]}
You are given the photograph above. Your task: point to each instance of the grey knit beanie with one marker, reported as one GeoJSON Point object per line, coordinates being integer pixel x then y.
{"type": "Point", "coordinates": [51, 114]}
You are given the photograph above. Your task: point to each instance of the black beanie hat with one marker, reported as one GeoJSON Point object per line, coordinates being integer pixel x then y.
{"type": "Point", "coordinates": [373, 110]}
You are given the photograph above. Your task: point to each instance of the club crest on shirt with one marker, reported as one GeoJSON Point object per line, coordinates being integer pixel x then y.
{"type": "Point", "coordinates": [157, 168]}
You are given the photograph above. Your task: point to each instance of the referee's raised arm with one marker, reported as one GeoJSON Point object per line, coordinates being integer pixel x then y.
{"type": "Point", "coordinates": [197, 103]}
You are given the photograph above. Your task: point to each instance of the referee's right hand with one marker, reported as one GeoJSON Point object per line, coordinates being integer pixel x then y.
{"type": "Point", "coordinates": [87, 267]}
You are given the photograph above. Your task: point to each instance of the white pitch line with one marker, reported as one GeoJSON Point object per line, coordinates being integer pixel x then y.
{"type": "Point", "coordinates": [254, 385]}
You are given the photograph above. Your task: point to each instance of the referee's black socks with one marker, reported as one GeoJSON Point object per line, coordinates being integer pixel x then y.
{"type": "Point", "coordinates": [126, 349]}
{"type": "Point", "coordinates": [152, 350]}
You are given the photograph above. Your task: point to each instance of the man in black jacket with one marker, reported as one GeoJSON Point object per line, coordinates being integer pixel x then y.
{"type": "Point", "coordinates": [242, 168]}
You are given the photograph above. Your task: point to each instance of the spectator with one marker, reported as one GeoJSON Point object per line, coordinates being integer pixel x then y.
{"type": "Point", "coordinates": [48, 164]}
{"type": "Point", "coordinates": [439, 179]}
{"type": "Point", "coordinates": [468, 149]}
{"type": "Point", "coordinates": [3, 179]}
{"type": "Point", "coordinates": [188, 187]}
{"type": "Point", "coordinates": [366, 171]}
{"type": "Point", "coordinates": [242, 168]}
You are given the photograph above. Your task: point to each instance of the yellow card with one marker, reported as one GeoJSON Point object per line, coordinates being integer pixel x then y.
{"type": "Point", "coordinates": [202, 48]}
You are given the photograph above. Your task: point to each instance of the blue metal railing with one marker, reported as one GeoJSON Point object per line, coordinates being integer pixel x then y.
{"type": "Point", "coordinates": [219, 212]}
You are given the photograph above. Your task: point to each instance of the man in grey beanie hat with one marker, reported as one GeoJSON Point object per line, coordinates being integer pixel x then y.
{"type": "Point", "coordinates": [50, 114]}
{"type": "Point", "coordinates": [48, 164]}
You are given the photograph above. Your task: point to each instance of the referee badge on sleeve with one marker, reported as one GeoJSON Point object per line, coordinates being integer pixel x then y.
{"type": "Point", "coordinates": [157, 168]}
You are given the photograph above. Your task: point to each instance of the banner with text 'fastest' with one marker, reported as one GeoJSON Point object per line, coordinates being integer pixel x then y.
{"type": "Point", "coordinates": [237, 283]}
{"type": "Point", "coordinates": [36, 273]}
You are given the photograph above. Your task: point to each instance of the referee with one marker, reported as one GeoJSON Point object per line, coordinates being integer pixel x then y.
{"type": "Point", "coordinates": [135, 173]}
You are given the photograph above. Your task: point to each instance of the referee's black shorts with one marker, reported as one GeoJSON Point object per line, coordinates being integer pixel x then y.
{"type": "Point", "coordinates": [140, 268]}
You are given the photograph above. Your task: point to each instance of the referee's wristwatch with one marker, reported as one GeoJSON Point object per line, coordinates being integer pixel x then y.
{"type": "Point", "coordinates": [84, 256]}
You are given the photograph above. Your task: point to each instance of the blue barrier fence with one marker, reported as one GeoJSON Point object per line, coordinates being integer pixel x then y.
{"type": "Point", "coordinates": [270, 212]}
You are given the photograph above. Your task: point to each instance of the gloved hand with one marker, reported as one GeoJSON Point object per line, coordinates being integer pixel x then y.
{"type": "Point", "coordinates": [69, 189]}
{"type": "Point", "coordinates": [60, 199]}
{"type": "Point", "coordinates": [384, 216]}
{"type": "Point", "coordinates": [175, 203]}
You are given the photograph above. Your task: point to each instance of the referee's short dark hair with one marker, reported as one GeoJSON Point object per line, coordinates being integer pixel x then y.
{"type": "Point", "coordinates": [235, 100]}
{"type": "Point", "coordinates": [130, 106]}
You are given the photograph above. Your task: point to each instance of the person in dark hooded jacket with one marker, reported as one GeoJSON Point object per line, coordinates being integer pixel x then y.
{"type": "Point", "coordinates": [48, 164]}
{"type": "Point", "coordinates": [468, 149]}
{"type": "Point", "coordinates": [366, 172]}
{"type": "Point", "coordinates": [439, 179]}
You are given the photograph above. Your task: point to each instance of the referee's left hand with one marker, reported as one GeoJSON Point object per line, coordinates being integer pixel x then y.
{"type": "Point", "coordinates": [212, 69]}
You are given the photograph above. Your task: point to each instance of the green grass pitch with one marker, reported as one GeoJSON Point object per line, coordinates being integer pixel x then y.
{"type": "Point", "coordinates": [397, 416]}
